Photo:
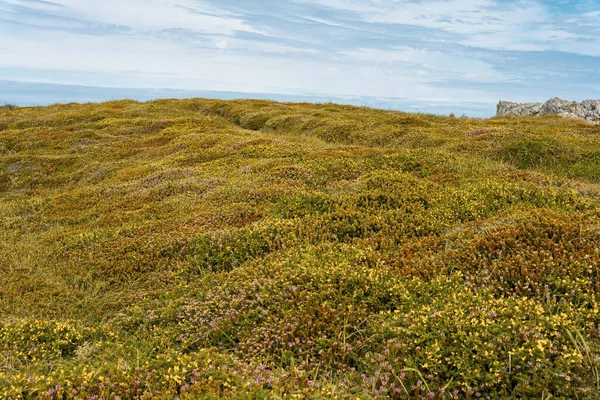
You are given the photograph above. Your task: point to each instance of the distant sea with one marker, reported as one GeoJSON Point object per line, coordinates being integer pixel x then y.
{"type": "Point", "coordinates": [40, 94]}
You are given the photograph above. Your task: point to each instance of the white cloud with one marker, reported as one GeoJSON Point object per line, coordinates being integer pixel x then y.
{"type": "Point", "coordinates": [432, 66]}
{"type": "Point", "coordinates": [523, 25]}
{"type": "Point", "coordinates": [173, 65]}
{"type": "Point", "coordinates": [146, 15]}
{"type": "Point", "coordinates": [466, 17]}
{"type": "Point", "coordinates": [593, 14]}
{"type": "Point", "coordinates": [455, 16]}
{"type": "Point", "coordinates": [221, 44]}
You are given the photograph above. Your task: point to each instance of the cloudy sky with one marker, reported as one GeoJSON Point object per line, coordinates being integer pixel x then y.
{"type": "Point", "coordinates": [437, 54]}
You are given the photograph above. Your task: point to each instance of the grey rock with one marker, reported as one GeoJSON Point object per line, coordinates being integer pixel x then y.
{"type": "Point", "coordinates": [527, 109]}
{"type": "Point", "coordinates": [588, 110]}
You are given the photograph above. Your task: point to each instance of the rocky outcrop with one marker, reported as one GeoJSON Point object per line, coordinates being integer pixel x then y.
{"type": "Point", "coordinates": [588, 109]}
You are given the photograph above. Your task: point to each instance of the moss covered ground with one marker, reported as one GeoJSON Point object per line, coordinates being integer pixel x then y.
{"type": "Point", "coordinates": [250, 249]}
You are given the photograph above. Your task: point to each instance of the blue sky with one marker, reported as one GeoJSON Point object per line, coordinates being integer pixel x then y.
{"type": "Point", "coordinates": [430, 55]}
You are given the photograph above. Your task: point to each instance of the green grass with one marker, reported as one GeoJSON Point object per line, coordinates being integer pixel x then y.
{"type": "Point", "coordinates": [250, 249]}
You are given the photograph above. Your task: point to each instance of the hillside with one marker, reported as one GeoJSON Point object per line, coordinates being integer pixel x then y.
{"type": "Point", "coordinates": [249, 249]}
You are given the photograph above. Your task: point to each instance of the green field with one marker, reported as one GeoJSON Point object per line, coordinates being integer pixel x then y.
{"type": "Point", "coordinates": [249, 249]}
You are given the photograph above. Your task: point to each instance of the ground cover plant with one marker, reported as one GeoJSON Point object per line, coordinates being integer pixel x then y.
{"type": "Point", "coordinates": [250, 249]}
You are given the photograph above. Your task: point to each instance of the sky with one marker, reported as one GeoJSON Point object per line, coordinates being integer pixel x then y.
{"type": "Point", "coordinates": [435, 56]}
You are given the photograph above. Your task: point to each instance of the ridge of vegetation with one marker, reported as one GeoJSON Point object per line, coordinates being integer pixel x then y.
{"type": "Point", "coordinates": [250, 249]}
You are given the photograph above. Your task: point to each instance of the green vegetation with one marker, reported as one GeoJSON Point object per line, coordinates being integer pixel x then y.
{"type": "Point", "coordinates": [249, 249]}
